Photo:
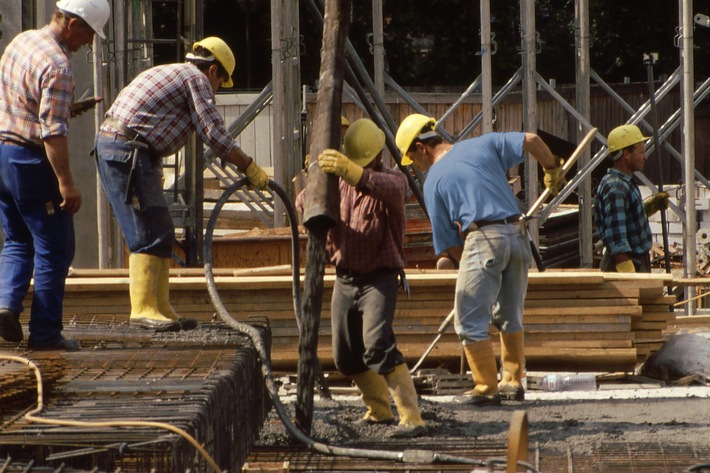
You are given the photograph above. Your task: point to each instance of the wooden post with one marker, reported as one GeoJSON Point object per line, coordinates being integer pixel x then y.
{"type": "Point", "coordinates": [322, 204]}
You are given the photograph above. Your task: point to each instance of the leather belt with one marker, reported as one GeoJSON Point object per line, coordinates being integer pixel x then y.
{"type": "Point", "coordinates": [10, 141]}
{"type": "Point", "coordinates": [117, 126]}
{"type": "Point", "coordinates": [484, 223]}
{"type": "Point", "coordinates": [348, 273]}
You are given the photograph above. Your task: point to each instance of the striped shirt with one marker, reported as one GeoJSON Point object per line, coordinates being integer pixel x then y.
{"type": "Point", "coordinates": [164, 104]}
{"type": "Point", "coordinates": [619, 215]}
{"type": "Point", "coordinates": [370, 233]}
{"type": "Point", "coordinates": [36, 87]}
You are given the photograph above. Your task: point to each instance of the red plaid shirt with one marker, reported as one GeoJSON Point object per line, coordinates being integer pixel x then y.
{"type": "Point", "coordinates": [36, 87]}
{"type": "Point", "coordinates": [370, 233]}
{"type": "Point", "coordinates": [164, 104]}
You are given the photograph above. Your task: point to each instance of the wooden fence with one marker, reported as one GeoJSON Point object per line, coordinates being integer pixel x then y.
{"type": "Point", "coordinates": [606, 113]}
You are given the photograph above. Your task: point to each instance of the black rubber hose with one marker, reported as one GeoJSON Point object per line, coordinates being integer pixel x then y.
{"type": "Point", "coordinates": [406, 456]}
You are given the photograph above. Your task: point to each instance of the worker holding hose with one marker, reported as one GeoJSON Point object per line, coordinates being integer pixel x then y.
{"type": "Point", "coordinates": [366, 248]}
{"type": "Point", "coordinates": [151, 118]}
{"type": "Point", "coordinates": [475, 217]}
{"type": "Point", "coordinates": [620, 215]}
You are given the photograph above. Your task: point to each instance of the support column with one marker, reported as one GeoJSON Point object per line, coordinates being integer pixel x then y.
{"type": "Point", "coordinates": [486, 83]}
{"type": "Point", "coordinates": [285, 67]}
{"type": "Point", "coordinates": [581, 15]}
{"type": "Point", "coordinates": [688, 151]}
{"type": "Point", "coordinates": [527, 21]}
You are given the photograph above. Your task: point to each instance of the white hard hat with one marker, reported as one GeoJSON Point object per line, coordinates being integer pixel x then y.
{"type": "Point", "coordinates": [94, 12]}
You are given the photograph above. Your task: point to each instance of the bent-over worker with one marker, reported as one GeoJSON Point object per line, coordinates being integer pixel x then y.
{"type": "Point", "coordinates": [470, 203]}
{"type": "Point", "coordinates": [151, 118]}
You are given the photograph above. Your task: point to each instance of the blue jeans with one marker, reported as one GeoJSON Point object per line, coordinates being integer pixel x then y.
{"type": "Point", "coordinates": [145, 222]}
{"type": "Point", "coordinates": [39, 239]}
{"type": "Point", "coordinates": [492, 282]}
{"type": "Point", "coordinates": [361, 316]}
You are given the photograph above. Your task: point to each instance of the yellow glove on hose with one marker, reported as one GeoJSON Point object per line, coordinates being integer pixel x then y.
{"type": "Point", "coordinates": [626, 267]}
{"type": "Point", "coordinates": [554, 180]}
{"type": "Point", "coordinates": [257, 176]}
{"type": "Point", "coordinates": [655, 203]}
{"type": "Point", "coordinates": [335, 162]}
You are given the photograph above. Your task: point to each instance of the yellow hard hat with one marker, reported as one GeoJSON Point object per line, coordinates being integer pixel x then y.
{"type": "Point", "coordinates": [410, 129]}
{"type": "Point", "coordinates": [222, 53]}
{"type": "Point", "coordinates": [624, 136]}
{"type": "Point", "coordinates": [363, 141]}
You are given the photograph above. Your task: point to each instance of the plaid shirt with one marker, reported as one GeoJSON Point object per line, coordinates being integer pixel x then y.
{"type": "Point", "coordinates": [36, 87]}
{"type": "Point", "coordinates": [370, 233]}
{"type": "Point", "coordinates": [619, 215]}
{"type": "Point", "coordinates": [164, 104]}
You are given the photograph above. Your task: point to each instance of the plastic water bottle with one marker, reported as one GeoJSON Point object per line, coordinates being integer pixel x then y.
{"type": "Point", "coordinates": [570, 382]}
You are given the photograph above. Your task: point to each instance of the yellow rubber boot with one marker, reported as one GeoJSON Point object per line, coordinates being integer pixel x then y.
{"type": "Point", "coordinates": [405, 398]}
{"type": "Point", "coordinates": [482, 362]}
{"type": "Point", "coordinates": [164, 306]}
{"type": "Point", "coordinates": [513, 361]}
{"type": "Point", "coordinates": [144, 271]}
{"type": "Point", "coordinates": [376, 397]}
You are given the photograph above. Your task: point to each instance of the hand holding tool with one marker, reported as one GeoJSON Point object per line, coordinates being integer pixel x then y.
{"type": "Point", "coordinates": [80, 106]}
{"type": "Point", "coordinates": [655, 203]}
{"type": "Point", "coordinates": [586, 141]}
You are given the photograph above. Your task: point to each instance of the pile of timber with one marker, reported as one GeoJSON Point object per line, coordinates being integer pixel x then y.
{"type": "Point", "coordinates": [574, 320]}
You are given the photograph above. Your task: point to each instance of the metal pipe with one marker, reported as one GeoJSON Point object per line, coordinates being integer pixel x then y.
{"type": "Point", "coordinates": [654, 125]}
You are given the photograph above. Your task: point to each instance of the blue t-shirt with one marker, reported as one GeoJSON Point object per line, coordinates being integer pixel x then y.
{"type": "Point", "coordinates": [470, 184]}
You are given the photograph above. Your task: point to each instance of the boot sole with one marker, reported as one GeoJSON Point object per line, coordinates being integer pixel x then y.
{"type": "Point", "coordinates": [155, 325]}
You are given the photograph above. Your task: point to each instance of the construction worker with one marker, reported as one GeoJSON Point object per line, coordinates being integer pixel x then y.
{"type": "Point", "coordinates": [366, 248]}
{"type": "Point", "coordinates": [475, 216]}
{"type": "Point", "coordinates": [620, 215]}
{"type": "Point", "coordinates": [151, 118]}
{"type": "Point", "coordinates": [38, 195]}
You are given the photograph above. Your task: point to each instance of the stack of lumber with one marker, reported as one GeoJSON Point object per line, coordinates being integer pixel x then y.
{"type": "Point", "coordinates": [574, 320]}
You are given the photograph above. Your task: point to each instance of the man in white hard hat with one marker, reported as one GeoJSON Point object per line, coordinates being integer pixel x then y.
{"type": "Point", "coordinates": [366, 248]}
{"type": "Point", "coordinates": [38, 196]}
{"type": "Point", "coordinates": [475, 217]}
{"type": "Point", "coordinates": [152, 118]}
{"type": "Point", "coordinates": [620, 215]}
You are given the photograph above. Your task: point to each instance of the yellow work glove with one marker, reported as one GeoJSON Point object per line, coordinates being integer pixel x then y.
{"type": "Point", "coordinates": [335, 162]}
{"type": "Point", "coordinates": [655, 203]}
{"type": "Point", "coordinates": [554, 180]}
{"type": "Point", "coordinates": [626, 267]}
{"type": "Point", "coordinates": [257, 176]}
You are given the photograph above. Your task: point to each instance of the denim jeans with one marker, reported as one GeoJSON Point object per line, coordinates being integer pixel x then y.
{"type": "Point", "coordinates": [492, 282]}
{"type": "Point", "coordinates": [39, 240]}
{"type": "Point", "coordinates": [145, 222]}
{"type": "Point", "coordinates": [361, 314]}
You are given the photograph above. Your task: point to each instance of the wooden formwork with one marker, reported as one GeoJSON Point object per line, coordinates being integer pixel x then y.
{"type": "Point", "coordinates": [575, 320]}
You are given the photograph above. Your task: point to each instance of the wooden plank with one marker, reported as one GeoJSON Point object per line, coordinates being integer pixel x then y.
{"type": "Point", "coordinates": [567, 302]}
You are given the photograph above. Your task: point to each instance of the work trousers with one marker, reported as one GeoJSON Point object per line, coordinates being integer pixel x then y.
{"type": "Point", "coordinates": [492, 281]}
{"type": "Point", "coordinates": [361, 313]}
{"type": "Point", "coordinates": [145, 220]}
{"type": "Point", "coordinates": [39, 240]}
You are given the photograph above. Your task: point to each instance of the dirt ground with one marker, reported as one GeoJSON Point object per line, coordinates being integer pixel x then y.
{"type": "Point", "coordinates": [556, 421]}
